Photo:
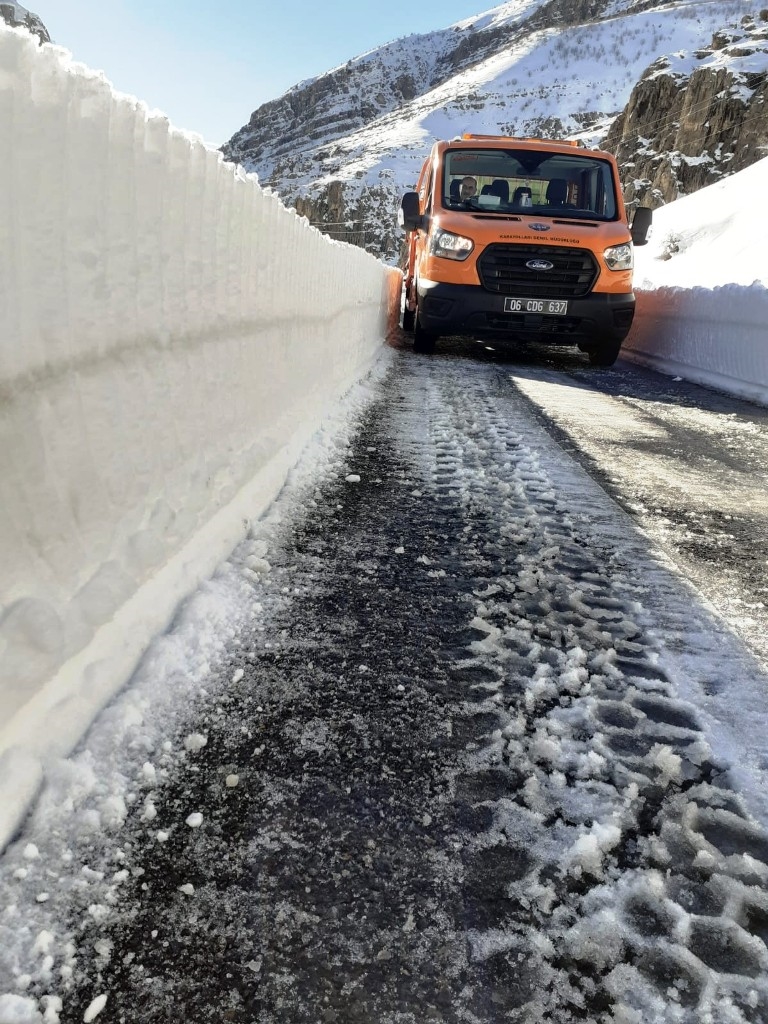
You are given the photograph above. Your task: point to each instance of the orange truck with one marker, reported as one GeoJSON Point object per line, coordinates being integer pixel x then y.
{"type": "Point", "coordinates": [520, 239]}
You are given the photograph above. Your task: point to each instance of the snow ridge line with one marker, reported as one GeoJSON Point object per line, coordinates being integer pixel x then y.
{"type": "Point", "coordinates": [651, 887]}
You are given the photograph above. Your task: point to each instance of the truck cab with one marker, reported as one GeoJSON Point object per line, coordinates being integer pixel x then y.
{"type": "Point", "coordinates": [520, 239]}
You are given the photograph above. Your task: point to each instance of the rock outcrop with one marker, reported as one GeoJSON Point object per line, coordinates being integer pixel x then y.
{"type": "Point", "coordinates": [692, 119]}
{"type": "Point", "coordinates": [16, 15]}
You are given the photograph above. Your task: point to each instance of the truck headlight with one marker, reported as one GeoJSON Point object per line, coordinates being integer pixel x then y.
{"type": "Point", "coordinates": [619, 257]}
{"type": "Point", "coordinates": [450, 246]}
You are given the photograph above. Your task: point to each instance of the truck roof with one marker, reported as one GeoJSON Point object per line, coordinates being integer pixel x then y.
{"type": "Point", "coordinates": [471, 141]}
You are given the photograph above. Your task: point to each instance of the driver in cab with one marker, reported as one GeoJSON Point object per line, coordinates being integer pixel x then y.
{"type": "Point", "coordinates": [468, 188]}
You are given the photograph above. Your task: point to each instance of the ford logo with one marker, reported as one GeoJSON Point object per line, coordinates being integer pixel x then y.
{"type": "Point", "coordinates": [540, 227]}
{"type": "Point", "coordinates": [540, 265]}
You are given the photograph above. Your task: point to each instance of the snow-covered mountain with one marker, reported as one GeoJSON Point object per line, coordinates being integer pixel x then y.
{"type": "Point", "coordinates": [696, 117]}
{"type": "Point", "coordinates": [344, 146]}
{"type": "Point", "coordinates": [14, 14]}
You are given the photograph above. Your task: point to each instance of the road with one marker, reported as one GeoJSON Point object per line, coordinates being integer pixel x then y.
{"type": "Point", "coordinates": [482, 753]}
{"type": "Point", "coordinates": [690, 465]}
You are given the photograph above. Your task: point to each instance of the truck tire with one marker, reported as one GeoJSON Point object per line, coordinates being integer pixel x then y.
{"type": "Point", "coordinates": [424, 341]}
{"type": "Point", "coordinates": [605, 353]}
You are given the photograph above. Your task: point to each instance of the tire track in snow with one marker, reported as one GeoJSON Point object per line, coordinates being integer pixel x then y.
{"type": "Point", "coordinates": [606, 750]}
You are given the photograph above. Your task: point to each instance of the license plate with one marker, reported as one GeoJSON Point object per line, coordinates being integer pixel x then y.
{"type": "Point", "coordinates": [552, 307]}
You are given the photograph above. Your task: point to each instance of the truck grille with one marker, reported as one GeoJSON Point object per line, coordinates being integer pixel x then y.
{"type": "Point", "coordinates": [523, 322]}
{"type": "Point", "coordinates": [502, 269]}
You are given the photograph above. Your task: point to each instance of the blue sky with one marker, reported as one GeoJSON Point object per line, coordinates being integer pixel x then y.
{"type": "Point", "coordinates": [209, 65]}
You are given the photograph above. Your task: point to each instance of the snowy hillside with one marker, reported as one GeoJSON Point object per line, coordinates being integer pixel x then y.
{"type": "Point", "coordinates": [523, 68]}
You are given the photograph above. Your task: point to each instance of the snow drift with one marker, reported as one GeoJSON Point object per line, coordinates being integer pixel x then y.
{"type": "Point", "coordinates": [702, 302]}
{"type": "Point", "coordinates": [171, 337]}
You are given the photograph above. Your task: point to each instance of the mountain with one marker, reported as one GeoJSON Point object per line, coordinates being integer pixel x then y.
{"type": "Point", "coordinates": [343, 147]}
{"type": "Point", "coordinates": [14, 14]}
{"type": "Point", "coordinates": [694, 118]}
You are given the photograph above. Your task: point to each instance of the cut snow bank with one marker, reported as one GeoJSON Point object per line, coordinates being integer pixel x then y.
{"type": "Point", "coordinates": [171, 336]}
{"type": "Point", "coordinates": [702, 288]}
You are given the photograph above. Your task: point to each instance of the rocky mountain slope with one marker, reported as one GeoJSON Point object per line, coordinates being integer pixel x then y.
{"type": "Point", "coordinates": [694, 118]}
{"type": "Point", "coordinates": [14, 14]}
{"type": "Point", "coordinates": [344, 146]}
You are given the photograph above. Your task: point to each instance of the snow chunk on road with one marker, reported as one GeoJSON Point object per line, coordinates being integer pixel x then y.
{"type": "Point", "coordinates": [259, 566]}
{"type": "Point", "coordinates": [587, 852]}
{"type": "Point", "coordinates": [43, 943]}
{"type": "Point", "coordinates": [669, 763]}
{"type": "Point", "coordinates": [195, 820]}
{"type": "Point", "coordinates": [94, 1009]}
{"type": "Point", "coordinates": [113, 812]}
{"type": "Point", "coordinates": [195, 741]}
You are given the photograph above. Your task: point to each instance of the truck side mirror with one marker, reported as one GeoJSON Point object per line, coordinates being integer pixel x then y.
{"type": "Point", "coordinates": [641, 224]}
{"type": "Point", "coordinates": [409, 215]}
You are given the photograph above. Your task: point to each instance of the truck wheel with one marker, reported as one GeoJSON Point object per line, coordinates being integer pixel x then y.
{"type": "Point", "coordinates": [409, 315]}
{"type": "Point", "coordinates": [605, 353]}
{"type": "Point", "coordinates": [423, 341]}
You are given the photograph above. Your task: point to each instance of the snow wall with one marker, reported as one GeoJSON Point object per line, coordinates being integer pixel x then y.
{"type": "Point", "coordinates": [713, 336]}
{"type": "Point", "coordinates": [171, 337]}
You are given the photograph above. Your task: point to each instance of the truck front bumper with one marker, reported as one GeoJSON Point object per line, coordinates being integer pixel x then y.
{"type": "Point", "coordinates": [471, 310]}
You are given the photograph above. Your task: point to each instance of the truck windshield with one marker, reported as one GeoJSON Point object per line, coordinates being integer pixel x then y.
{"type": "Point", "coordinates": [527, 181]}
